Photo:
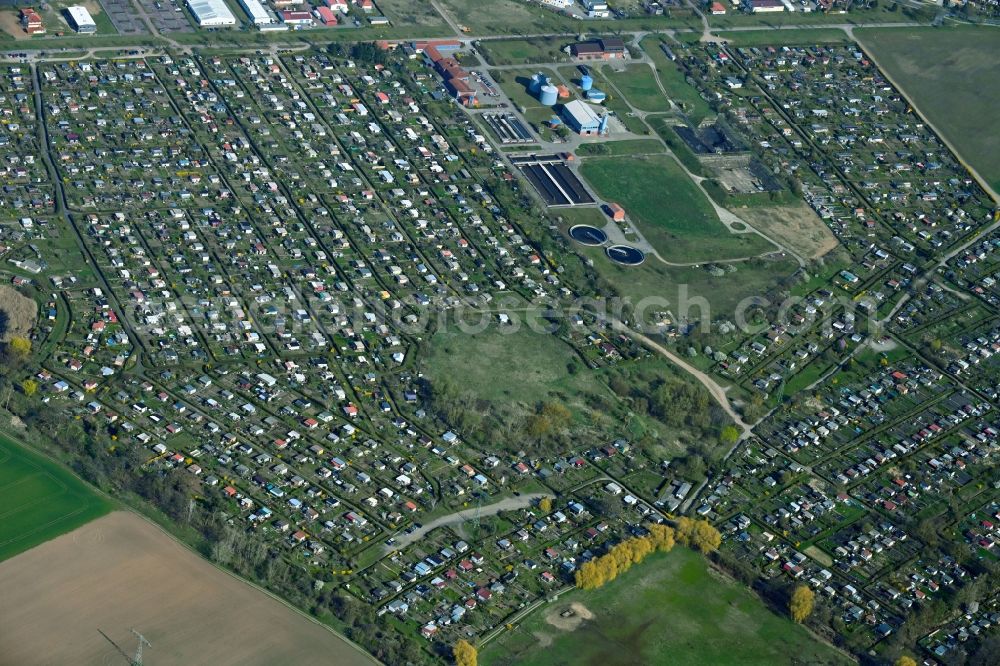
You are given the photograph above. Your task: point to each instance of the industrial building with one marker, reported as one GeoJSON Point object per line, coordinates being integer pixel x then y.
{"type": "Point", "coordinates": [258, 13]}
{"type": "Point", "coordinates": [296, 18]}
{"type": "Point", "coordinates": [211, 13]}
{"type": "Point", "coordinates": [582, 119]}
{"type": "Point", "coordinates": [80, 19]}
{"type": "Point", "coordinates": [602, 49]}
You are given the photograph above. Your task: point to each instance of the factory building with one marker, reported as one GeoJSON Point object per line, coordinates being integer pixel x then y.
{"type": "Point", "coordinates": [80, 19]}
{"type": "Point", "coordinates": [583, 119]}
{"type": "Point", "coordinates": [211, 13]}
{"type": "Point", "coordinates": [258, 13]}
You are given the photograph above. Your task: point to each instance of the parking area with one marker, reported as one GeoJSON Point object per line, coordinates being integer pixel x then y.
{"type": "Point", "coordinates": [124, 17]}
{"type": "Point", "coordinates": [167, 15]}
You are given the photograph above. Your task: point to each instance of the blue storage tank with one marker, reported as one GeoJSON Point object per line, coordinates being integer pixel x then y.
{"type": "Point", "coordinates": [595, 95]}
{"type": "Point", "coordinates": [548, 95]}
{"type": "Point", "coordinates": [586, 82]}
{"type": "Point", "coordinates": [537, 80]}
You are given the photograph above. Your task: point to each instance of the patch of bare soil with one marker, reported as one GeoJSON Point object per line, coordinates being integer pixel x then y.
{"type": "Point", "coordinates": [797, 227]}
{"type": "Point", "coordinates": [75, 599]}
{"type": "Point", "coordinates": [10, 25]}
{"type": "Point", "coordinates": [17, 314]}
{"type": "Point", "coordinates": [568, 618]}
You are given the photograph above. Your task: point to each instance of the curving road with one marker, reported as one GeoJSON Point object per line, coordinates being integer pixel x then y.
{"type": "Point", "coordinates": [466, 515]}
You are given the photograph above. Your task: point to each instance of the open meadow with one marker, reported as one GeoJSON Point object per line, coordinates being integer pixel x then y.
{"type": "Point", "coordinates": [74, 599]}
{"type": "Point", "coordinates": [670, 211]}
{"type": "Point", "coordinates": [39, 500]}
{"type": "Point", "coordinates": [951, 76]}
{"type": "Point", "coordinates": [672, 609]}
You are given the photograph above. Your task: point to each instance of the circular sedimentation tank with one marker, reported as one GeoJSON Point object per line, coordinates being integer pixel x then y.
{"type": "Point", "coordinates": [625, 255]}
{"type": "Point", "coordinates": [595, 95]}
{"type": "Point", "coordinates": [587, 235]}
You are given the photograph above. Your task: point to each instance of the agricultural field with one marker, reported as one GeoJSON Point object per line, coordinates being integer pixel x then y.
{"type": "Point", "coordinates": [950, 79]}
{"type": "Point", "coordinates": [672, 609]}
{"type": "Point", "coordinates": [122, 572]}
{"type": "Point", "coordinates": [40, 499]}
{"type": "Point", "coordinates": [671, 212]}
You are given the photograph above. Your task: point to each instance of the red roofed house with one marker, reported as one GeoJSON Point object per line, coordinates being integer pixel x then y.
{"type": "Point", "coordinates": [718, 8]}
{"type": "Point", "coordinates": [31, 21]}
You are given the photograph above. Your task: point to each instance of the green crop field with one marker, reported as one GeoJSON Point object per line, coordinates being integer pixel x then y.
{"type": "Point", "coordinates": [951, 76]}
{"type": "Point", "coordinates": [672, 610]}
{"type": "Point", "coordinates": [39, 500]}
{"type": "Point", "coordinates": [670, 211]}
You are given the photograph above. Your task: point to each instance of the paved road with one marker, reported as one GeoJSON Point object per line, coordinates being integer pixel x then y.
{"type": "Point", "coordinates": [466, 515]}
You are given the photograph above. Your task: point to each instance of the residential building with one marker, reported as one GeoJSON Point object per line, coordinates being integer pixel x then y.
{"type": "Point", "coordinates": [31, 21]}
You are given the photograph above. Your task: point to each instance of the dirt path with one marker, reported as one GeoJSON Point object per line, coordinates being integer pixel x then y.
{"type": "Point", "coordinates": [465, 515]}
{"type": "Point", "coordinates": [120, 572]}
{"type": "Point", "coordinates": [716, 390]}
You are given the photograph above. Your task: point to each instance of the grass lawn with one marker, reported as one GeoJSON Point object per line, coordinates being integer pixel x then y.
{"type": "Point", "coordinates": [514, 370]}
{"type": "Point", "coordinates": [512, 363]}
{"type": "Point", "coordinates": [626, 147]}
{"type": "Point", "coordinates": [514, 17]}
{"type": "Point", "coordinates": [670, 211]}
{"type": "Point", "coordinates": [39, 500]}
{"type": "Point", "coordinates": [524, 51]}
{"type": "Point", "coordinates": [672, 609]}
{"type": "Point", "coordinates": [674, 82]}
{"type": "Point", "coordinates": [638, 85]}
{"type": "Point", "coordinates": [796, 37]}
{"type": "Point", "coordinates": [654, 280]}
{"type": "Point", "coordinates": [951, 80]}
{"type": "Point", "coordinates": [614, 103]}
{"type": "Point", "coordinates": [881, 14]}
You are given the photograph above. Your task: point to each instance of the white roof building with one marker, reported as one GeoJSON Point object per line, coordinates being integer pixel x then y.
{"type": "Point", "coordinates": [211, 13]}
{"type": "Point", "coordinates": [81, 19]}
